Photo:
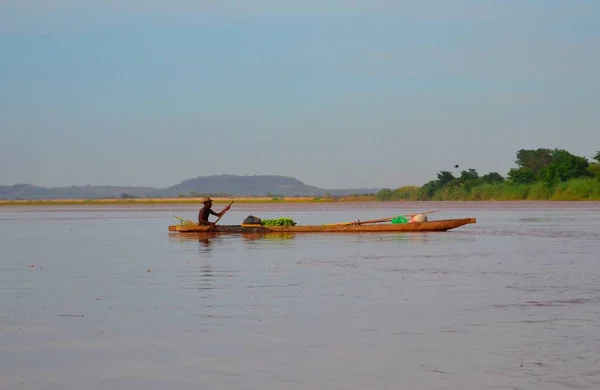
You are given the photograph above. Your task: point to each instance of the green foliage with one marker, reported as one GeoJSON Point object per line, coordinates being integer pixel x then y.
{"type": "Point", "coordinates": [469, 175]}
{"type": "Point", "coordinates": [283, 221]}
{"type": "Point", "coordinates": [540, 174]}
{"type": "Point", "coordinates": [564, 166]}
{"type": "Point", "coordinates": [487, 192]}
{"type": "Point", "coordinates": [492, 178]}
{"type": "Point", "coordinates": [406, 193]}
{"type": "Point", "coordinates": [521, 175]}
{"type": "Point", "coordinates": [578, 189]}
{"type": "Point", "coordinates": [428, 190]}
{"type": "Point", "coordinates": [444, 178]}
{"type": "Point", "coordinates": [467, 180]}
{"type": "Point", "coordinates": [540, 191]}
{"type": "Point", "coordinates": [384, 194]}
{"type": "Point", "coordinates": [594, 170]}
{"type": "Point", "coordinates": [402, 193]}
{"type": "Point", "coordinates": [450, 193]}
{"type": "Point", "coordinates": [597, 157]}
{"type": "Point", "coordinates": [534, 160]}
{"type": "Point", "coordinates": [515, 192]}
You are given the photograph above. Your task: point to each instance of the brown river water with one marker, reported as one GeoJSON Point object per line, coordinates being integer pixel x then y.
{"type": "Point", "coordinates": [104, 297]}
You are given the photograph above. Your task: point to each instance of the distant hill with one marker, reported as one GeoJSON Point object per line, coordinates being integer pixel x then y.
{"type": "Point", "coordinates": [217, 185]}
{"type": "Point", "coordinates": [260, 185]}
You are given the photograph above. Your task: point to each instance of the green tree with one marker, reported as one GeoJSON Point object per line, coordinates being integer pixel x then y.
{"type": "Point", "coordinates": [492, 178]}
{"type": "Point", "coordinates": [564, 166]}
{"type": "Point", "coordinates": [534, 159]}
{"type": "Point", "coordinates": [428, 190]}
{"type": "Point", "coordinates": [468, 179]}
{"type": "Point", "coordinates": [384, 194]}
{"type": "Point", "coordinates": [444, 178]}
{"type": "Point", "coordinates": [594, 170]}
{"type": "Point", "coordinates": [469, 175]}
{"type": "Point", "coordinates": [521, 176]}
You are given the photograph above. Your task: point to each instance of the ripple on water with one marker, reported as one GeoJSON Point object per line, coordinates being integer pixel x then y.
{"type": "Point", "coordinates": [512, 302]}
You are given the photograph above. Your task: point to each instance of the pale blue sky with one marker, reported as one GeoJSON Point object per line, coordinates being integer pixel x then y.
{"type": "Point", "coordinates": [335, 93]}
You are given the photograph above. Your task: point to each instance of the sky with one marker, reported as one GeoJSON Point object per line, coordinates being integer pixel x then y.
{"type": "Point", "coordinates": [338, 94]}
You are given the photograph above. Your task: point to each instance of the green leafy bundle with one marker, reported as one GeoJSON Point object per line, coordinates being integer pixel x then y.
{"type": "Point", "coordinates": [278, 222]}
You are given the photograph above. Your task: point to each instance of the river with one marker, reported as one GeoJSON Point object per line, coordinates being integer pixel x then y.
{"type": "Point", "coordinates": [104, 297]}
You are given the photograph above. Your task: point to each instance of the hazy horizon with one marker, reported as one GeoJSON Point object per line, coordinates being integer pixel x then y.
{"type": "Point", "coordinates": [342, 94]}
{"type": "Point", "coordinates": [179, 181]}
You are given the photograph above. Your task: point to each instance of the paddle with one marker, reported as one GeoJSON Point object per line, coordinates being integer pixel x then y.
{"type": "Point", "coordinates": [388, 219]}
{"type": "Point", "coordinates": [221, 216]}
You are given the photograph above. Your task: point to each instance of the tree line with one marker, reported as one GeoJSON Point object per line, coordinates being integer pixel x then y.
{"type": "Point", "coordinates": [539, 174]}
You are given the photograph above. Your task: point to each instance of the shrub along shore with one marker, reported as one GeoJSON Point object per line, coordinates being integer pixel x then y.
{"type": "Point", "coordinates": [541, 174]}
{"type": "Point", "coordinates": [571, 190]}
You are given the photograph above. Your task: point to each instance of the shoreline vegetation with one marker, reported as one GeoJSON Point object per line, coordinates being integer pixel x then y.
{"type": "Point", "coordinates": [540, 175]}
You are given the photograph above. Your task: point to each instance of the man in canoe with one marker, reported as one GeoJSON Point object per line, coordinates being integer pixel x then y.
{"type": "Point", "coordinates": [206, 211]}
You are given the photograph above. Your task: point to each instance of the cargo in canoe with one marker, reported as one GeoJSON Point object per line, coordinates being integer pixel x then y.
{"type": "Point", "coordinates": [429, 226]}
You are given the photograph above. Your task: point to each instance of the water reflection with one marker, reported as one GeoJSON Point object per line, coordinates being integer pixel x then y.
{"type": "Point", "coordinates": [253, 240]}
{"type": "Point", "coordinates": [421, 238]}
{"type": "Point", "coordinates": [200, 277]}
{"type": "Point", "coordinates": [412, 238]}
{"type": "Point", "coordinates": [206, 241]}
{"type": "Point", "coordinates": [206, 278]}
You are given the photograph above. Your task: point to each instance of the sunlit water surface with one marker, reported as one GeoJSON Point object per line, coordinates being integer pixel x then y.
{"type": "Point", "coordinates": [104, 297]}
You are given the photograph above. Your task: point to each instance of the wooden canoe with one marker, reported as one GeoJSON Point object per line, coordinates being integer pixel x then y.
{"type": "Point", "coordinates": [429, 226]}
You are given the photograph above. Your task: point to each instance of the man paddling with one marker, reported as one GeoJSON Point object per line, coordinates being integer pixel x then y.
{"type": "Point", "coordinates": [206, 211]}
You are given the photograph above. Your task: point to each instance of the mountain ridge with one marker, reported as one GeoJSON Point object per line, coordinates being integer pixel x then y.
{"type": "Point", "coordinates": [213, 185]}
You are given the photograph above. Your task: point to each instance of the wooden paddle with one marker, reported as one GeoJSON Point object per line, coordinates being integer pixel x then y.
{"type": "Point", "coordinates": [215, 223]}
{"type": "Point", "coordinates": [388, 219]}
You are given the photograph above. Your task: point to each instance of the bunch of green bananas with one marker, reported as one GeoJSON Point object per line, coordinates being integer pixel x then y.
{"type": "Point", "coordinates": [278, 222]}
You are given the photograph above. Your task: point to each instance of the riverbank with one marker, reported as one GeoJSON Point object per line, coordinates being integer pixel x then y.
{"type": "Point", "coordinates": [216, 200]}
{"type": "Point", "coordinates": [308, 200]}
{"type": "Point", "coordinates": [584, 189]}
